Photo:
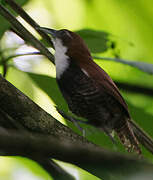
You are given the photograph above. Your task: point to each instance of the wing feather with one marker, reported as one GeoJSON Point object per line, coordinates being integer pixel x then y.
{"type": "Point", "coordinates": [104, 82]}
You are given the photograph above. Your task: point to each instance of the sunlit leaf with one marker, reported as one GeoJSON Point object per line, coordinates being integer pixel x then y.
{"type": "Point", "coordinates": [49, 86]}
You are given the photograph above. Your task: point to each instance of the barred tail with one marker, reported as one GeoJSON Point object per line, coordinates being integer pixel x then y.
{"type": "Point", "coordinates": [128, 139]}
{"type": "Point", "coordinates": [142, 136]}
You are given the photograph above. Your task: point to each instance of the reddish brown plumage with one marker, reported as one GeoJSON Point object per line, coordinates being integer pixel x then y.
{"type": "Point", "coordinates": [91, 93]}
{"type": "Point", "coordinates": [104, 82]}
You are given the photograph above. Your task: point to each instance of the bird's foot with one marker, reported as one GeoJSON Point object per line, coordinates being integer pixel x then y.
{"type": "Point", "coordinates": [73, 120]}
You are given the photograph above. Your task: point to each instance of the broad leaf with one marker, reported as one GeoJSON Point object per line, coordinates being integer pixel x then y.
{"type": "Point", "coordinates": [97, 41]}
{"type": "Point", "coordinates": [50, 87]}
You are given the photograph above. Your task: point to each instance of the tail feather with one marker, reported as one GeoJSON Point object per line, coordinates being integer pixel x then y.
{"type": "Point", "coordinates": [142, 136]}
{"type": "Point", "coordinates": [128, 138]}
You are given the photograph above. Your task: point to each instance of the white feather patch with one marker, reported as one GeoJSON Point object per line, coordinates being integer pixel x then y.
{"type": "Point", "coordinates": [85, 72]}
{"type": "Point", "coordinates": [61, 59]}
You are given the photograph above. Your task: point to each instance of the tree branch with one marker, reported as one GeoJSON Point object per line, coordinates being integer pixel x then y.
{"type": "Point", "coordinates": [145, 67]}
{"type": "Point", "coordinates": [50, 166]}
{"type": "Point", "coordinates": [99, 162]}
{"type": "Point", "coordinates": [58, 141]}
{"type": "Point", "coordinates": [28, 19]}
{"type": "Point", "coordinates": [18, 112]}
{"type": "Point", "coordinates": [25, 34]}
{"type": "Point", "coordinates": [23, 110]}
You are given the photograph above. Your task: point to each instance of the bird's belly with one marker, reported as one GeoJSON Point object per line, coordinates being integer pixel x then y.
{"type": "Point", "coordinates": [86, 100]}
{"type": "Point", "coordinates": [96, 110]}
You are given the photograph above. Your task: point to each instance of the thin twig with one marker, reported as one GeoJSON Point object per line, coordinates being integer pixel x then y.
{"type": "Point", "coordinates": [145, 67]}
{"type": "Point", "coordinates": [28, 19]}
{"type": "Point", "coordinates": [112, 59]}
{"type": "Point", "coordinates": [18, 55]}
{"type": "Point", "coordinates": [27, 35]}
{"type": "Point", "coordinates": [24, 54]}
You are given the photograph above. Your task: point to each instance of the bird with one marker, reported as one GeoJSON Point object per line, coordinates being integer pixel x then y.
{"type": "Point", "coordinates": [90, 92]}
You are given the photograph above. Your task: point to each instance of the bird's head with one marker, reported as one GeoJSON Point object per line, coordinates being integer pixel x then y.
{"type": "Point", "coordinates": [73, 45]}
{"type": "Point", "coordinates": [70, 48]}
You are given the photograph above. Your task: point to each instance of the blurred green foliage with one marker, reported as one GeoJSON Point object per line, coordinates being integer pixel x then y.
{"type": "Point", "coordinates": [110, 28]}
{"type": "Point", "coordinates": [97, 40]}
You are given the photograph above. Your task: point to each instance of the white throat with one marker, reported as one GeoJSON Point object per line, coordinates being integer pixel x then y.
{"type": "Point", "coordinates": [61, 59]}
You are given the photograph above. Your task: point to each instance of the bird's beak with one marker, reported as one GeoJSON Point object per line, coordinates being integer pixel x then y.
{"type": "Point", "coordinates": [53, 32]}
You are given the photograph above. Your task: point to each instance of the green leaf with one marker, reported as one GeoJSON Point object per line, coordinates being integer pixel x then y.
{"type": "Point", "coordinates": [97, 41]}
{"type": "Point", "coordinates": [33, 167]}
{"type": "Point", "coordinates": [50, 87]}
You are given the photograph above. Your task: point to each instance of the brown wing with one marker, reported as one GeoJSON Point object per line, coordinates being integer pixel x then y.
{"type": "Point", "coordinates": [104, 82]}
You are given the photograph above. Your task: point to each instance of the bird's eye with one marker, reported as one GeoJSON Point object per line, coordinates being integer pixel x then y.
{"type": "Point", "coordinates": [64, 33]}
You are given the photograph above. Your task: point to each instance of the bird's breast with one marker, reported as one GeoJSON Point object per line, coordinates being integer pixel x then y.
{"type": "Point", "coordinates": [61, 59]}
{"type": "Point", "coordinates": [73, 80]}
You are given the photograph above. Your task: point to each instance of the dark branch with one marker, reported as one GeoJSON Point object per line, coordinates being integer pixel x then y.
{"type": "Point", "coordinates": [99, 162]}
{"type": "Point", "coordinates": [18, 112]}
{"type": "Point", "coordinates": [23, 110]}
{"type": "Point", "coordinates": [28, 19]}
{"type": "Point", "coordinates": [58, 141]}
{"type": "Point", "coordinates": [25, 34]}
{"type": "Point", "coordinates": [50, 166]}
